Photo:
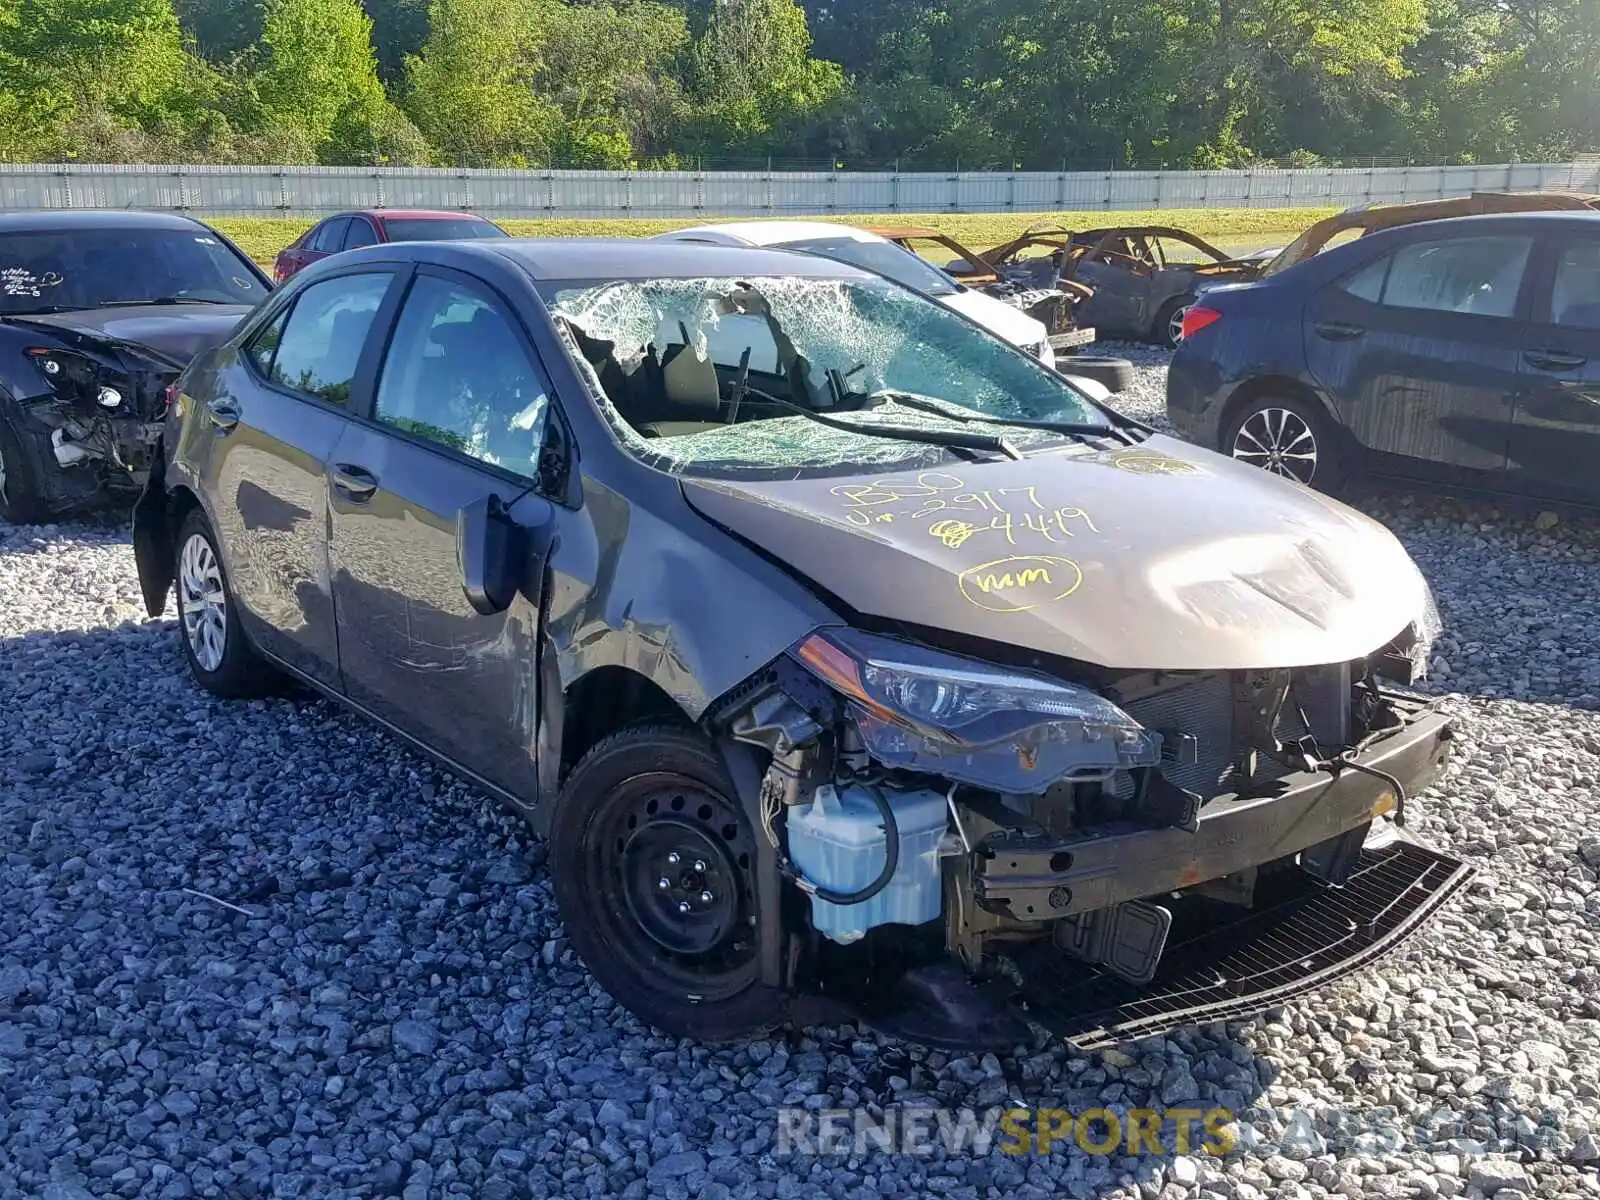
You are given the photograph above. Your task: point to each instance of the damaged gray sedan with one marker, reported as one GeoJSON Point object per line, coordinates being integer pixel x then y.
{"type": "Point", "coordinates": [852, 662]}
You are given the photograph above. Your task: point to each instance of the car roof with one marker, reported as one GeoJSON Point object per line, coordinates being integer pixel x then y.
{"type": "Point", "coordinates": [646, 258]}
{"type": "Point", "coordinates": [773, 233]}
{"type": "Point", "coordinates": [412, 213]}
{"type": "Point", "coordinates": [53, 219]}
{"type": "Point", "coordinates": [1573, 216]}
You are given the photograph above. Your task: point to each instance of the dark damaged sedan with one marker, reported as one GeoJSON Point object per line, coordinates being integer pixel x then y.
{"type": "Point", "coordinates": [851, 661]}
{"type": "Point", "coordinates": [99, 312]}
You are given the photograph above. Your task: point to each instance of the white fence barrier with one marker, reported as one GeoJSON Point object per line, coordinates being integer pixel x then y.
{"type": "Point", "coordinates": [308, 191]}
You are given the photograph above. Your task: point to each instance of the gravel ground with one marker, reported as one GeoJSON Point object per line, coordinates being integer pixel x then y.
{"type": "Point", "coordinates": [260, 950]}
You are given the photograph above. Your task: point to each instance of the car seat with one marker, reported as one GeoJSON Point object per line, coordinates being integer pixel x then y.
{"type": "Point", "coordinates": [692, 390]}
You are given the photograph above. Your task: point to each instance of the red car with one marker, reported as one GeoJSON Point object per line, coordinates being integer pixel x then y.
{"type": "Point", "coordinates": [368, 227]}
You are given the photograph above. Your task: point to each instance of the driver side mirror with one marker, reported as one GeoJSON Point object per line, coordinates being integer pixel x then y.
{"type": "Point", "coordinates": [490, 550]}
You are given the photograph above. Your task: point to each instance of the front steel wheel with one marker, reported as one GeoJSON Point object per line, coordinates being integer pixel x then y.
{"type": "Point", "coordinates": [654, 866]}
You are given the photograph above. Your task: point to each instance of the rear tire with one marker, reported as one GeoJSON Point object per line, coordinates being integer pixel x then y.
{"type": "Point", "coordinates": [1289, 436]}
{"type": "Point", "coordinates": [20, 501]}
{"type": "Point", "coordinates": [650, 806]}
{"type": "Point", "coordinates": [1168, 328]}
{"type": "Point", "coordinates": [220, 657]}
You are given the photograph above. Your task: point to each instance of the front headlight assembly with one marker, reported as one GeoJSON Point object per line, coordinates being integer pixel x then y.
{"type": "Point", "coordinates": [971, 721]}
{"type": "Point", "coordinates": [1406, 658]}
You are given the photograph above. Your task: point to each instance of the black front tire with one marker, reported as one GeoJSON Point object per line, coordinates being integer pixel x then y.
{"type": "Point", "coordinates": [1294, 426]}
{"type": "Point", "coordinates": [20, 500]}
{"type": "Point", "coordinates": [649, 822]}
{"type": "Point", "coordinates": [214, 643]}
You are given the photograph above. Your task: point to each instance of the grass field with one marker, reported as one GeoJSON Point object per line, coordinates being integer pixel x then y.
{"type": "Point", "coordinates": [1230, 228]}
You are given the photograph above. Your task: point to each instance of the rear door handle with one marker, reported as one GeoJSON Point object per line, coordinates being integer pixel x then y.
{"type": "Point", "coordinates": [1553, 360]}
{"type": "Point", "coordinates": [357, 483]}
{"type": "Point", "coordinates": [1338, 331]}
{"type": "Point", "coordinates": [222, 414]}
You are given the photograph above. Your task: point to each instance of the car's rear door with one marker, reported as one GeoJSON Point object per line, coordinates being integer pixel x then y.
{"type": "Point", "coordinates": [1555, 431]}
{"type": "Point", "coordinates": [272, 414]}
{"type": "Point", "coordinates": [459, 413]}
{"type": "Point", "coordinates": [1420, 349]}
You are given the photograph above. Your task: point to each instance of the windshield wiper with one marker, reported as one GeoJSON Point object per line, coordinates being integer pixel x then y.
{"type": "Point", "coordinates": [41, 310]}
{"type": "Point", "coordinates": [1070, 428]}
{"type": "Point", "coordinates": [162, 300]}
{"type": "Point", "coordinates": [904, 433]}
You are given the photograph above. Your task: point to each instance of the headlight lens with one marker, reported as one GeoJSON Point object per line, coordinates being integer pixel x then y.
{"type": "Point", "coordinates": [1010, 731]}
{"type": "Point", "coordinates": [1426, 629]}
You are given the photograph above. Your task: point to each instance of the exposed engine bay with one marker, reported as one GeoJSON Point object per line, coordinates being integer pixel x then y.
{"type": "Point", "coordinates": [955, 840]}
{"type": "Point", "coordinates": [101, 404]}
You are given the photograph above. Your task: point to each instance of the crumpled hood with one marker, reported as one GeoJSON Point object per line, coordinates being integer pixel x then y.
{"type": "Point", "coordinates": [177, 331]}
{"type": "Point", "coordinates": [1159, 556]}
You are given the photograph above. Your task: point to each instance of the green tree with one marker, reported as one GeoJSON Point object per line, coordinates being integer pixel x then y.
{"type": "Point", "coordinates": [317, 85]}
{"type": "Point", "coordinates": [470, 91]}
{"type": "Point", "coordinates": [606, 68]}
{"type": "Point", "coordinates": [72, 57]}
{"type": "Point", "coordinates": [751, 74]}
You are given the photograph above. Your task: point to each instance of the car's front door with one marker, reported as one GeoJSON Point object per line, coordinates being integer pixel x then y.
{"type": "Point", "coordinates": [1555, 433]}
{"type": "Point", "coordinates": [459, 413]}
{"type": "Point", "coordinates": [1420, 350]}
{"type": "Point", "coordinates": [273, 412]}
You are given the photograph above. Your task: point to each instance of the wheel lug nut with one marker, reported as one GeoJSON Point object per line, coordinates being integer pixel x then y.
{"type": "Point", "coordinates": [683, 906]}
{"type": "Point", "coordinates": [672, 859]}
{"type": "Point", "coordinates": [699, 865]}
{"type": "Point", "coordinates": [664, 883]}
{"type": "Point", "coordinates": [706, 897]}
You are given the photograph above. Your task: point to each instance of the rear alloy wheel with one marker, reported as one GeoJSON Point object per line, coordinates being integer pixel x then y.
{"type": "Point", "coordinates": [220, 658]}
{"type": "Point", "coordinates": [1169, 324]}
{"type": "Point", "coordinates": [654, 862]}
{"type": "Point", "coordinates": [1287, 437]}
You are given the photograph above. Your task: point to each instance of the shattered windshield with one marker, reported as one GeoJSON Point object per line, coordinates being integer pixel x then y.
{"type": "Point", "coordinates": [883, 258]}
{"type": "Point", "coordinates": [717, 376]}
{"type": "Point", "coordinates": [55, 270]}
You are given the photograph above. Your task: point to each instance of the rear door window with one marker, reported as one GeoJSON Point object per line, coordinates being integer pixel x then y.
{"type": "Point", "coordinates": [320, 347]}
{"type": "Point", "coordinates": [360, 234]}
{"type": "Point", "coordinates": [1575, 295]}
{"type": "Point", "coordinates": [330, 238]}
{"type": "Point", "coordinates": [1478, 276]}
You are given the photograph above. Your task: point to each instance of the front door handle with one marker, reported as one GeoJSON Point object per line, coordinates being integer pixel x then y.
{"type": "Point", "coordinates": [1338, 331]}
{"type": "Point", "coordinates": [355, 482]}
{"type": "Point", "coordinates": [1553, 360]}
{"type": "Point", "coordinates": [222, 414]}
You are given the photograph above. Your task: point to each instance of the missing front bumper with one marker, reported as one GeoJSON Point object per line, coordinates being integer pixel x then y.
{"type": "Point", "coordinates": [1269, 956]}
{"type": "Point", "coordinates": [1029, 876]}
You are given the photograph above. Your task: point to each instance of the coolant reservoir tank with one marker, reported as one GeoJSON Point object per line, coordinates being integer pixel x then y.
{"type": "Point", "coordinates": [838, 842]}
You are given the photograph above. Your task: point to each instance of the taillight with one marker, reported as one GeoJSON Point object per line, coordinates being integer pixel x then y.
{"type": "Point", "coordinates": [1196, 317]}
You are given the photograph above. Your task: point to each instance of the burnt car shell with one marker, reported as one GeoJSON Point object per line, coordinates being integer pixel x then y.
{"type": "Point", "coordinates": [1195, 591]}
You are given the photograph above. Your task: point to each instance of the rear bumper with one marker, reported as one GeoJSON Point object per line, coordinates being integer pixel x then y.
{"type": "Point", "coordinates": [1041, 877]}
{"type": "Point", "coordinates": [1268, 957]}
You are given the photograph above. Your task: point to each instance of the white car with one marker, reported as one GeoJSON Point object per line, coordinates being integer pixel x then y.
{"type": "Point", "coordinates": [860, 248]}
